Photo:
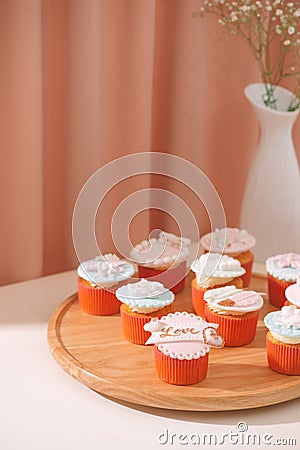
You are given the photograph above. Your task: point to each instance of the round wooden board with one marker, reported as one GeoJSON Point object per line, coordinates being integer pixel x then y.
{"type": "Point", "coordinates": [92, 350]}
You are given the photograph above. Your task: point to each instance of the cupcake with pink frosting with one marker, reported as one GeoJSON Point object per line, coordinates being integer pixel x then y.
{"type": "Point", "coordinates": [182, 342]}
{"type": "Point", "coordinates": [235, 311]}
{"type": "Point", "coordinates": [282, 271]}
{"type": "Point", "coordinates": [232, 242]}
{"type": "Point", "coordinates": [163, 259]}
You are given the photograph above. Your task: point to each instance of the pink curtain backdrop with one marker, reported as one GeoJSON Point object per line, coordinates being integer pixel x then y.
{"type": "Point", "coordinates": [85, 82]}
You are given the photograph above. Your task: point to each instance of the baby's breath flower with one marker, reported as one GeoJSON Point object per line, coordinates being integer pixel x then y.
{"type": "Point", "coordinates": [291, 30]}
{"type": "Point", "coordinates": [259, 22]}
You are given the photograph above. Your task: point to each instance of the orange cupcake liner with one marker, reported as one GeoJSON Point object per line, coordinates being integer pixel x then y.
{"type": "Point", "coordinates": [236, 331]}
{"type": "Point", "coordinates": [180, 372]}
{"type": "Point", "coordinates": [276, 289]}
{"type": "Point", "coordinates": [168, 277]}
{"type": "Point", "coordinates": [246, 278]}
{"type": "Point", "coordinates": [197, 298]}
{"type": "Point", "coordinates": [97, 301]}
{"type": "Point", "coordinates": [133, 324]}
{"type": "Point", "coordinates": [283, 358]}
{"type": "Point", "coordinates": [198, 293]}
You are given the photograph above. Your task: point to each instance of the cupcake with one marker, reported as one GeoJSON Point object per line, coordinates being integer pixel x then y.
{"type": "Point", "coordinates": [163, 259]}
{"type": "Point", "coordinates": [235, 311]}
{"type": "Point", "coordinates": [232, 242]}
{"type": "Point", "coordinates": [98, 280]}
{"type": "Point", "coordinates": [214, 270]}
{"type": "Point", "coordinates": [292, 294]}
{"type": "Point", "coordinates": [141, 302]}
{"type": "Point", "coordinates": [182, 343]}
{"type": "Point", "coordinates": [283, 340]}
{"type": "Point", "coordinates": [282, 271]}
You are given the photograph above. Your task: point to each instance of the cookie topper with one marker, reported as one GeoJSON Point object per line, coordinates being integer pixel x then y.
{"type": "Point", "coordinates": [190, 330]}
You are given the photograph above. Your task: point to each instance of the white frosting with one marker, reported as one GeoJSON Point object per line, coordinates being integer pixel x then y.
{"type": "Point", "coordinates": [284, 325]}
{"type": "Point", "coordinates": [145, 289]}
{"type": "Point", "coordinates": [230, 300]}
{"type": "Point", "coordinates": [213, 268]}
{"type": "Point", "coordinates": [105, 270]}
{"type": "Point", "coordinates": [292, 293]}
{"type": "Point", "coordinates": [284, 339]}
{"type": "Point", "coordinates": [166, 250]}
{"type": "Point", "coordinates": [284, 267]}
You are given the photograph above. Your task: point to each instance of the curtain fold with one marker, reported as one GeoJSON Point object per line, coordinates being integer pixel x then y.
{"type": "Point", "coordinates": [85, 82]}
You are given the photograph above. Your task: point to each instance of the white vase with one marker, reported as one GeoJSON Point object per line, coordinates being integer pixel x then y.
{"type": "Point", "coordinates": [271, 204]}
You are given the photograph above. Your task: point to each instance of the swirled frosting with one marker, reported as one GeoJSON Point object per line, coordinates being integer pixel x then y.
{"type": "Point", "coordinates": [233, 301]}
{"type": "Point", "coordinates": [284, 325]}
{"type": "Point", "coordinates": [145, 296]}
{"type": "Point", "coordinates": [284, 267]}
{"type": "Point", "coordinates": [183, 335]}
{"type": "Point", "coordinates": [104, 269]}
{"type": "Point", "coordinates": [213, 269]}
{"type": "Point", "coordinates": [165, 250]}
{"type": "Point", "coordinates": [292, 293]}
{"type": "Point", "coordinates": [231, 241]}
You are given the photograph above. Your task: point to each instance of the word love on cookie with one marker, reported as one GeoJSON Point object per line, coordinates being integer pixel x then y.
{"type": "Point", "coordinates": [201, 331]}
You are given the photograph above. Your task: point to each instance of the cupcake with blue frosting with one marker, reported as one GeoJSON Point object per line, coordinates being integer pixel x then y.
{"type": "Point", "coordinates": [282, 271]}
{"type": "Point", "coordinates": [98, 280]}
{"type": "Point", "coordinates": [283, 340]}
{"type": "Point", "coordinates": [141, 302]}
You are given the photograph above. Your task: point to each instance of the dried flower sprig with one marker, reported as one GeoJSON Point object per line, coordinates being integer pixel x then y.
{"type": "Point", "coordinates": [265, 24]}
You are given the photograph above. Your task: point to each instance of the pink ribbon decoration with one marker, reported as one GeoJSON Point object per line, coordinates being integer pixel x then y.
{"type": "Point", "coordinates": [289, 260]}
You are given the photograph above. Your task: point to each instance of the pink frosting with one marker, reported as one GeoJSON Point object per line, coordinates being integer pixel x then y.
{"type": "Point", "coordinates": [231, 241]}
{"type": "Point", "coordinates": [185, 344]}
{"type": "Point", "coordinates": [245, 298]}
{"type": "Point", "coordinates": [289, 260]}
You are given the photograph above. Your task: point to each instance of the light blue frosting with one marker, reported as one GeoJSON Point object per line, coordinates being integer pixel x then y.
{"type": "Point", "coordinates": [289, 274]}
{"type": "Point", "coordinates": [89, 271]}
{"type": "Point", "coordinates": [274, 322]}
{"type": "Point", "coordinates": [150, 299]}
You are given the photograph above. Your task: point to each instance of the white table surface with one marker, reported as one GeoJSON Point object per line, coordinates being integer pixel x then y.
{"type": "Point", "coordinates": [43, 408]}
